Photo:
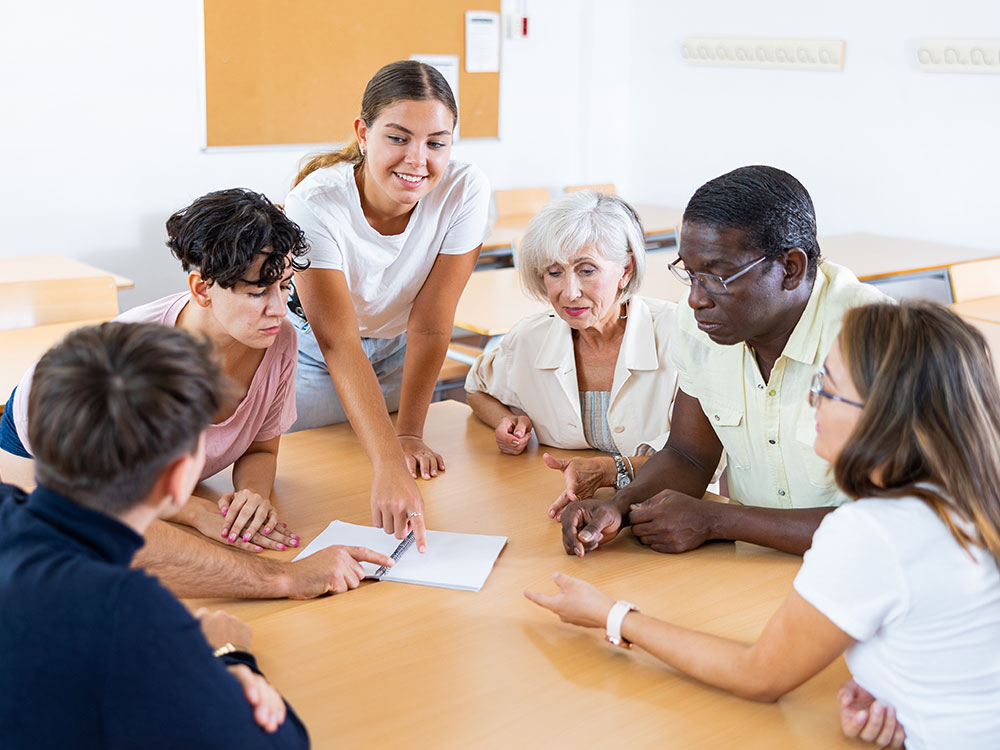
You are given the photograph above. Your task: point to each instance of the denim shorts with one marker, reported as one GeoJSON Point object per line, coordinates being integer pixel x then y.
{"type": "Point", "coordinates": [316, 399]}
{"type": "Point", "coordinates": [9, 439]}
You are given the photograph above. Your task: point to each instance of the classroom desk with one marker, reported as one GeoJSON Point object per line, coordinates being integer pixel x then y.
{"type": "Point", "coordinates": [658, 222]}
{"type": "Point", "coordinates": [22, 347]}
{"type": "Point", "coordinates": [984, 308]}
{"type": "Point", "coordinates": [901, 267]}
{"type": "Point", "coordinates": [493, 300]}
{"type": "Point", "coordinates": [984, 314]}
{"type": "Point", "coordinates": [392, 664]}
{"type": "Point", "coordinates": [48, 266]}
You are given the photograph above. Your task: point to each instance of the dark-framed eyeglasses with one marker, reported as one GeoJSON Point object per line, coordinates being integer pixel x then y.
{"type": "Point", "coordinates": [711, 283]}
{"type": "Point", "coordinates": [816, 391]}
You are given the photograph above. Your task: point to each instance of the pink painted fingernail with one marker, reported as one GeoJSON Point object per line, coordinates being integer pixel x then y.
{"type": "Point", "coordinates": [224, 532]}
{"type": "Point", "coordinates": [232, 537]}
{"type": "Point", "coordinates": [257, 549]}
{"type": "Point", "coordinates": [281, 546]}
{"type": "Point", "coordinates": [246, 537]}
{"type": "Point", "coordinates": [294, 542]}
{"type": "Point", "coordinates": [267, 531]}
{"type": "Point", "coordinates": [224, 510]}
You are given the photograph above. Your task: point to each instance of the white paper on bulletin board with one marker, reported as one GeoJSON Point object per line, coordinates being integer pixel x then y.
{"type": "Point", "coordinates": [482, 41]}
{"type": "Point", "coordinates": [447, 66]}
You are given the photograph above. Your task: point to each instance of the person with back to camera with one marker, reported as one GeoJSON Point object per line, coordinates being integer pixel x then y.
{"type": "Point", "coordinates": [584, 374]}
{"type": "Point", "coordinates": [97, 655]}
{"type": "Point", "coordinates": [239, 251]}
{"type": "Point", "coordinates": [394, 230]}
{"type": "Point", "coordinates": [904, 579]}
{"type": "Point", "coordinates": [763, 309]}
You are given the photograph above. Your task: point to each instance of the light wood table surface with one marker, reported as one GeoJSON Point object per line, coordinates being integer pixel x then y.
{"type": "Point", "coordinates": [493, 300]}
{"type": "Point", "coordinates": [22, 347]}
{"type": "Point", "coordinates": [396, 664]}
{"type": "Point", "coordinates": [656, 221]}
{"type": "Point", "coordinates": [984, 308]}
{"type": "Point", "coordinates": [49, 266]}
{"type": "Point", "coordinates": [875, 256]}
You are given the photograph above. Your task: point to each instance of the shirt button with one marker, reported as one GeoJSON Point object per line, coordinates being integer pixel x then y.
{"type": "Point", "coordinates": [760, 386]}
{"type": "Point", "coordinates": [772, 392]}
{"type": "Point", "coordinates": [716, 417]}
{"type": "Point", "coordinates": [619, 428]}
{"type": "Point", "coordinates": [781, 492]}
{"type": "Point", "coordinates": [771, 442]}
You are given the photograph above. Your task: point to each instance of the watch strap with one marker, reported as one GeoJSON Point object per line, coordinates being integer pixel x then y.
{"type": "Point", "coordinates": [616, 615]}
{"type": "Point", "coordinates": [622, 478]}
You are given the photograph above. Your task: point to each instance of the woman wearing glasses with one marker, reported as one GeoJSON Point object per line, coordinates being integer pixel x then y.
{"type": "Point", "coordinates": [593, 372]}
{"type": "Point", "coordinates": [904, 581]}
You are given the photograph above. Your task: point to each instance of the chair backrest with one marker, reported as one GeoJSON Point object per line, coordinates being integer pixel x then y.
{"type": "Point", "coordinates": [25, 304]}
{"type": "Point", "coordinates": [607, 188]}
{"type": "Point", "coordinates": [520, 202]}
{"type": "Point", "coordinates": [975, 279]}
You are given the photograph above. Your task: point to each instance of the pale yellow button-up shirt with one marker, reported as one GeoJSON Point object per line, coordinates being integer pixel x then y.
{"type": "Point", "coordinates": [768, 428]}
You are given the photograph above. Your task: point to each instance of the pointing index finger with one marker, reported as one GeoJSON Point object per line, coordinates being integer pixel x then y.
{"type": "Point", "coordinates": [419, 532]}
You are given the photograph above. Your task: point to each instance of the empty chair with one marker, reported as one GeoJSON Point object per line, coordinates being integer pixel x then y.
{"type": "Point", "coordinates": [523, 202]}
{"type": "Point", "coordinates": [608, 188]}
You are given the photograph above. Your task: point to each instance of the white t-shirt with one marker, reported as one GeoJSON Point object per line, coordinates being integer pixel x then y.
{"type": "Point", "coordinates": [385, 273]}
{"type": "Point", "coordinates": [926, 616]}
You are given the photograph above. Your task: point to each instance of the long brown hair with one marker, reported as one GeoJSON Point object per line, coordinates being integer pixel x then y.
{"type": "Point", "coordinates": [930, 427]}
{"type": "Point", "coordinates": [399, 81]}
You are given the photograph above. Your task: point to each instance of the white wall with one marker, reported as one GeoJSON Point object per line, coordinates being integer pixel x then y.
{"type": "Point", "coordinates": [881, 146]}
{"type": "Point", "coordinates": [101, 132]}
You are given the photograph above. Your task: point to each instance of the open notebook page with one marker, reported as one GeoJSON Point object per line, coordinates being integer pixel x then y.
{"type": "Point", "coordinates": [454, 561]}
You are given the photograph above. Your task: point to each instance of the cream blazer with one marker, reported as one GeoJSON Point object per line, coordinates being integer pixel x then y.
{"type": "Point", "coordinates": [534, 370]}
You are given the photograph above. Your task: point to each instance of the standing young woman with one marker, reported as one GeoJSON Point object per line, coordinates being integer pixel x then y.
{"type": "Point", "coordinates": [394, 229]}
{"type": "Point", "coordinates": [905, 580]}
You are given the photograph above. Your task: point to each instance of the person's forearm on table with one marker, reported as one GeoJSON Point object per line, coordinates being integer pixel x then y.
{"type": "Point", "coordinates": [666, 469]}
{"type": "Point", "coordinates": [194, 567]}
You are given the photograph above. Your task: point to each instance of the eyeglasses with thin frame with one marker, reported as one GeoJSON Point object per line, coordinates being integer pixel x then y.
{"type": "Point", "coordinates": [710, 282]}
{"type": "Point", "coordinates": [816, 390]}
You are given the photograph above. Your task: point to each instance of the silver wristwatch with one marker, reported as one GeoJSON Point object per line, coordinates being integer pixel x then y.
{"type": "Point", "coordinates": [622, 478]}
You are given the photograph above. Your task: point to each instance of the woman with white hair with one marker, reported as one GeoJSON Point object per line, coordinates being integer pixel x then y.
{"type": "Point", "coordinates": [594, 371]}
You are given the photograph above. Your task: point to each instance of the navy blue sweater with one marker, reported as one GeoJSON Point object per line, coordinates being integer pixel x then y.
{"type": "Point", "coordinates": [96, 655]}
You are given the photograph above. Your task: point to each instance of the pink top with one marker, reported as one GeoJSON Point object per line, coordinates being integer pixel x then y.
{"type": "Point", "coordinates": [267, 410]}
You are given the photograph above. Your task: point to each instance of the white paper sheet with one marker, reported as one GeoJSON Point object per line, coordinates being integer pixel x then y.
{"type": "Point", "coordinates": [453, 561]}
{"type": "Point", "coordinates": [482, 41]}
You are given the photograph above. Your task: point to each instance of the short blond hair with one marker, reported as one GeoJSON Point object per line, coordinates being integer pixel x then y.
{"type": "Point", "coordinates": [586, 219]}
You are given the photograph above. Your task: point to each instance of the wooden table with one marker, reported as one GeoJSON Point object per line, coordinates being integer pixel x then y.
{"type": "Point", "coordinates": [658, 222]}
{"type": "Point", "coordinates": [900, 267]}
{"type": "Point", "coordinates": [49, 266]}
{"type": "Point", "coordinates": [22, 347]}
{"type": "Point", "coordinates": [493, 300]}
{"type": "Point", "coordinates": [395, 664]}
{"type": "Point", "coordinates": [984, 308]}
{"type": "Point", "coordinates": [984, 314]}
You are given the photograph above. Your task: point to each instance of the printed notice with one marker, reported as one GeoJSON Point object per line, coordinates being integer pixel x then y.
{"type": "Point", "coordinates": [482, 41]}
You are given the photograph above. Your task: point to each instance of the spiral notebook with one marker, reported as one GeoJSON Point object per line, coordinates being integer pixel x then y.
{"type": "Point", "coordinates": [452, 560]}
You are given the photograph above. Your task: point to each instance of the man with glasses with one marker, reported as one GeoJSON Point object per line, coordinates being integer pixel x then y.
{"type": "Point", "coordinates": [762, 313]}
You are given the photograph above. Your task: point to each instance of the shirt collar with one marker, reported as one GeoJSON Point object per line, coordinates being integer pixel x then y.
{"type": "Point", "coordinates": [803, 344]}
{"type": "Point", "coordinates": [105, 536]}
{"type": "Point", "coordinates": [638, 348]}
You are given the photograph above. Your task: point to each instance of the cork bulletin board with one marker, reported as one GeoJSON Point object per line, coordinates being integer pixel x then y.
{"type": "Point", "coordinates": [294, 71]}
